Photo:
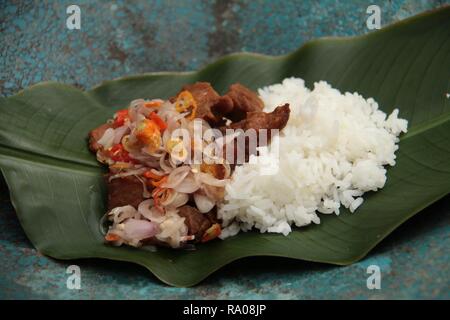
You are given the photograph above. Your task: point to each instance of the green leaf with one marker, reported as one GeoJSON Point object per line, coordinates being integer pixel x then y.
{"type": "Point", "coordinates": [56, 184]}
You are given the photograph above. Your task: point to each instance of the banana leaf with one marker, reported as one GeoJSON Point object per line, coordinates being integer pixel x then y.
{"type": "Point", "coordinates": [56, 184]}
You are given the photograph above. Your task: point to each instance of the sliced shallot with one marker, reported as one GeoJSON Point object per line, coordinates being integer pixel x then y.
{"type": "Point", "coordinates": [107, 139]}
{"type": "Point", "coordinates": [120, 214]}
{"type": "Point", "coordinates": [163, 164]}
{"type": "Point", "coordinates": [188, 185]}
{"type": "Point", "coordinates": [119, 133]}
{"type": "Point", "coordinates": [147, 209]}
{"type": "Point", "coordinates": [203, 203]}
{"type": "Point", "coordinates": [128, 173]}
{"type": "Point", "coordinates": [145, 192]}
{"type": "Point", "coordinates": [176, 177]}
{"type": "Point", "coordinates": [210, 180]}
{"type": "Point", "coordinates": [175, 199]}
{"type": "Point", "coordinates": [139, 229]}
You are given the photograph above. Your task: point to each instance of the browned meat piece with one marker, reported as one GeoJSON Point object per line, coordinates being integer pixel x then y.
{"type": "Point", "coordinates": [277, 119]}
{"type": "Point", "coordinates": [196, 221]}
{"type": "Point", "coordinates": [237, 102]}
{"type": "Point", "coordinates": [124, 191]}
{"type": "Point", "coordinates": [224, 106]}
{"type": "Point", "coordinates": [205, 97]}
{"type": "Point", "coordinates": [96, 135]}
{"type": "Point", "coordinates": [212, 216]}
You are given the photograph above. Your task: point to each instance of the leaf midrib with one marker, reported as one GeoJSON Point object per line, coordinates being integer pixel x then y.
{"type": "Point", "coordinates": [425, 126]}
{"type": "Point", "coordinates": [44, 158]}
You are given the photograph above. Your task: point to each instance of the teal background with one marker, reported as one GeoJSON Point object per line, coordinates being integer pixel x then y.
{"type": "Point", "coordinates": [120, 38]}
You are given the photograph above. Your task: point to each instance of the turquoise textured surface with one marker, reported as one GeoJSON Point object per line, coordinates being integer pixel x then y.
{"type": "Point", "coordinates": [120, 38]}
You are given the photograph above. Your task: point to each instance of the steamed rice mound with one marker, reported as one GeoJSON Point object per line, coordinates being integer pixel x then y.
{"type": "Point", "coordinates": [334, 149]}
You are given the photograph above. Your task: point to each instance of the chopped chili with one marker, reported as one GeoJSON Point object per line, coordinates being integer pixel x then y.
{"type": "Point", "coordinates": [159, 122]}
{"type": "Point", "coordinates": [120, 117]}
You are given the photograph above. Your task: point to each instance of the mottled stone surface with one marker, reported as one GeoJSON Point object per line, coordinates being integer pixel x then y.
{"type": "Point", "coordinates": [121, 38]}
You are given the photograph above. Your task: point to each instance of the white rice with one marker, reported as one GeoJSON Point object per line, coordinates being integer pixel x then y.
{"type": "Point", "coordinates": [333, 149]}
